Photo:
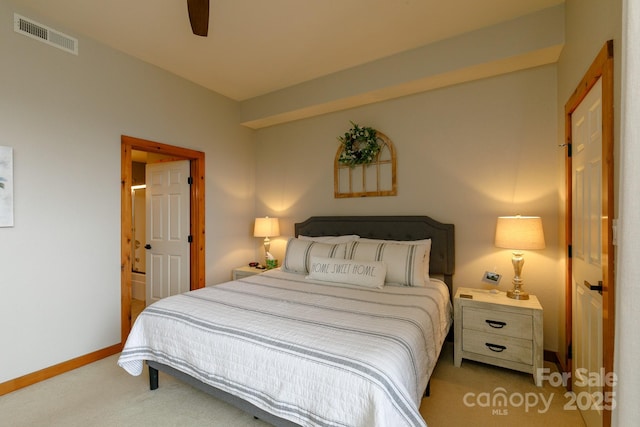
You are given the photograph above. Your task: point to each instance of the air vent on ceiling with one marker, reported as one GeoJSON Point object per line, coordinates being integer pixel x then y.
{"type": "Point", "coordinates": [40, 32]}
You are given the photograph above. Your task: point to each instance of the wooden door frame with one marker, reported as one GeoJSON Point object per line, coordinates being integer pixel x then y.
{"type": "Point", "coordinates": [197, 218]}
{"type": "Point", "coordinates": [602, 67]}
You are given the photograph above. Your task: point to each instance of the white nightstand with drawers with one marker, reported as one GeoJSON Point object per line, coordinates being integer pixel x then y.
{"type": "Point", "coordinates": [494, 329]}
{"type": "Point", "coordinates": [245, 271]}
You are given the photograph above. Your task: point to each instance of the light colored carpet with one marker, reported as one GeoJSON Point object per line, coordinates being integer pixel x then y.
{"type": "Point", "coordinates": [464, 396]}
{"type": "Point", "coordinates": [102, 394]}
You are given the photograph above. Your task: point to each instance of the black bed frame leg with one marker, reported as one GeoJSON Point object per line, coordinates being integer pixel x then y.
{"type": "Point", "coordinates": [153, 378]}
{"type": "Point", "coordinates": [427, 391]}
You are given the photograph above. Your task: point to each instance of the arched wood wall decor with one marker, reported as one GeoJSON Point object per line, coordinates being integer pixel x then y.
{"type": "Point", "coordinates": [375, 179]}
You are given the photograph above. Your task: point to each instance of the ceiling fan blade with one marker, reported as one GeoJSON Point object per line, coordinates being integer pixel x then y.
{"type": "Point", "coordinates": [199, 16]}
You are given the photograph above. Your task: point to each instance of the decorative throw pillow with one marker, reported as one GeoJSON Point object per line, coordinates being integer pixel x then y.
{"type": "Point", "coordinates": [427, 254]}
{"type": "Point", "coordinates": [298, 254]}
{"type": "Point", "coordinates": [405, 263]}
{"type": "Point", "coordinates": [370, 274]}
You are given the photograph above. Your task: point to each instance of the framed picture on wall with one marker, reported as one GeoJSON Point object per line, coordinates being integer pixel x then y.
{"type": "Point", "coordinates": [491, 277]}
{"type": "Point", "coordinates": [6, 186]}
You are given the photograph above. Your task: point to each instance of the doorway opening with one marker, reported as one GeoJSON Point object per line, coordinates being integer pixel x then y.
{"type": "Point", "coordinates": [129, 145]}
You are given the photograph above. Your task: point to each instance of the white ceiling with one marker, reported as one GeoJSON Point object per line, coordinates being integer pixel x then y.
{"type": "Point", "coordinates": [256, 47]}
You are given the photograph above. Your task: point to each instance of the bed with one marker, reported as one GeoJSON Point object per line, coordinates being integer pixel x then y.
{"type": "Point", "coordinates": [293, 346]}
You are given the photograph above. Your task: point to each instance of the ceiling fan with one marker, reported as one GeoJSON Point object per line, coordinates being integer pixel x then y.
{"type": "Point", "coordinates": [199, 16]}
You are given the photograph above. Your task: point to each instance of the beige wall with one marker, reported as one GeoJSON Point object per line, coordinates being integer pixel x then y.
{"type": "Point", "coordinates": [589, 24]}
{"type": "Point", "coordinates": [466, 154]}
{"type": "Point", "coordinates": [64, 115]}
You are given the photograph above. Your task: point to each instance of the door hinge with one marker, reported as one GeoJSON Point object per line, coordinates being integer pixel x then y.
{"type": "Point", "coordinates": [569, 150]}
{"type": "Point", "coordinates": [190, 180]}
{"type": "Point", "coordinates": [190, 238]}
{"type": "Point", "coordinates": [569, 251]}
{"type": "Point", "coordinates": [569, 352]}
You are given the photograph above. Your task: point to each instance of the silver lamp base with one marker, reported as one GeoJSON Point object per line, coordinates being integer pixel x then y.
{"type": "Point", "coordinates": [517, 294]}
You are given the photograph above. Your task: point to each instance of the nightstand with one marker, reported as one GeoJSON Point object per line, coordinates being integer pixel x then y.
{"type": "Point", "coordinates": [494, 329]}
{"type": "Point", "coordinates": [245, 271]}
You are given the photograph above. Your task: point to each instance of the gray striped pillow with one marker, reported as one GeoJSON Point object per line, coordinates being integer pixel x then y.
{"type": "Point", "coordinates": [405, 263]}
{"type": "Point", "coordinates": [297, 257]}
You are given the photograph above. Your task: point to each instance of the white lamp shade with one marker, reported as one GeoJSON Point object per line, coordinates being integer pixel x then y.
{"type": "Point", "coordinates": [266, 227]}
{"type": "Point", "coordinates": [519, 232]}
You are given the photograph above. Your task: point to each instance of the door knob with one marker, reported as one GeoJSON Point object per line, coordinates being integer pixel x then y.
{"type": "Point", "coordinates": [591, 287]}
{"type": "Point", "coordinates": [147, 246]}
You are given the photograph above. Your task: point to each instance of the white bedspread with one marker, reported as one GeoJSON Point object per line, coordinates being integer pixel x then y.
{"type": "Point", "coordinates": [310, 352]}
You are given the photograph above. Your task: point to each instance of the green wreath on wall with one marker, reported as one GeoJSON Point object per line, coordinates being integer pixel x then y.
{"type": "Point", "coordinates": [360, 146]}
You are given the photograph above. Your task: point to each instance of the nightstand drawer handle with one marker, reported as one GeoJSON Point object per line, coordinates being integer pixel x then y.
{"type": "Point", "coordinates": [496, 324]}
{"type": "Point", "coordinates": [495, 347]}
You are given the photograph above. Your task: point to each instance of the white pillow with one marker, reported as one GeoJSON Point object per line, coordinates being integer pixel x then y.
{"type": "Point", "coordinates": [370, 274]}
{"type": "Point", "coordinates": [405, 262]}
{"type": "Point", "coordinates": [298, 254]}
{"type": "Point", "coordinates": [331, 239]}
{"type": "Point", "coordinates": [427, 254]}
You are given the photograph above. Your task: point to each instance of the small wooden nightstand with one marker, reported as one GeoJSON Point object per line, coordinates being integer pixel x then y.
{"type": "Point", "coordinates": [494, 329]}
{"type": "Point", "coordinates": [245, 271]}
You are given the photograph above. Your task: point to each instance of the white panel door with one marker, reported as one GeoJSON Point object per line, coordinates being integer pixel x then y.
{"type": "Point", "coordinates": [586, 123]}
{"type": "Point", "coordinates": [167, 229]}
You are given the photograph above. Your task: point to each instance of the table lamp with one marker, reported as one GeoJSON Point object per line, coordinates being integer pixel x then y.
{"type": "Point", "coordinates": [266, 227]}
{"type": "Point", "coordinates": [519, 233]}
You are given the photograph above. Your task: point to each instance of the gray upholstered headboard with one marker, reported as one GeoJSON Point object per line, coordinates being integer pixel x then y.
{"type": "Point", "coordinates": [442, 260]}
